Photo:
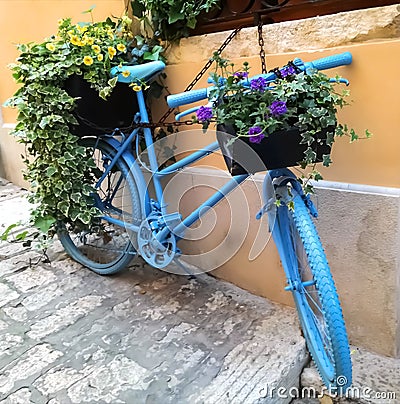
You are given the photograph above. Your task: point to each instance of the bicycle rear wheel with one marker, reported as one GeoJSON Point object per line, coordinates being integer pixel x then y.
{"type": "Point", "coordinates": [103, 247]}
{"type": "Point", "coordinates": [314, 294]}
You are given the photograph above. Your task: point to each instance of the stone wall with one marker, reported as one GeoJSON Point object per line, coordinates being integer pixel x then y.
{"type": "Point", "coordinates": [315, 33]}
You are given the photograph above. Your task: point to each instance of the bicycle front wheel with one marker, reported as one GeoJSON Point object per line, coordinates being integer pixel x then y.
{"type": "Point", "coordinates": [103, 247]}
{"type": "Point", "coordinates": [314, 294]}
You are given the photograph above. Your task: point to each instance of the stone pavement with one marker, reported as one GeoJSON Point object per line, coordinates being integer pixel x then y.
{"type": "Point", "coordinates": [68, 335]}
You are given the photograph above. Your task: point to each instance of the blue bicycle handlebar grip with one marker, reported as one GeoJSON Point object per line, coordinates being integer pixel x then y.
{"type": "Point", "coordinates": [187, 97]}
{"type": "Point", "coordinates": [331, 61]}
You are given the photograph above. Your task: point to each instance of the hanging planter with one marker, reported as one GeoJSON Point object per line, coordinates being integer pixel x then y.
{"type": "Point", "coordinates": [282, 148]}
{"type": "Point", "coordinates": [264, 124]}
{"type": "Point", "coordinates": [97, 116]}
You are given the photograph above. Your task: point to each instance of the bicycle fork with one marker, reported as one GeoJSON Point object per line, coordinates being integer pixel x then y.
{"type": "Point", "coordinates": [275, 188]}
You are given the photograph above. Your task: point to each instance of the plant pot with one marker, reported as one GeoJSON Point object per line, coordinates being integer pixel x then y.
{"type": "Point", "coordinates": [280, 149]}
{"type": "Point", "coordinates": [97, 116]}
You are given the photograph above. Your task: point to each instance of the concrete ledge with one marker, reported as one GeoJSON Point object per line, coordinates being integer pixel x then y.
{"type": "Point", "coordinates": [291, 36]}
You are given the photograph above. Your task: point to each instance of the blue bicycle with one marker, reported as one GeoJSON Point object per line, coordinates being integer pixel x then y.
{"type": "Point", "coordinates": [134, 223]}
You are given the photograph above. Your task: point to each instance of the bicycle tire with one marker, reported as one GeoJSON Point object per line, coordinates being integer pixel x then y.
{"type": "Point", "coordinates": [106, 249]}
{"type": "Point", "coordinates": [317, 302]}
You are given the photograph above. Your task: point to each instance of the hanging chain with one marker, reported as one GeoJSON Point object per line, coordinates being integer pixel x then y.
{"type": "Point", "coordinates": [261, 43]}
{"type": "Point", "coordinates": [201, 74]}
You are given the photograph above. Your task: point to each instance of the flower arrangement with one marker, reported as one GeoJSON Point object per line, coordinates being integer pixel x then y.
{"type": "Point", "coordinates": [57, 167]}
{"type": "Point", "coordinates": [257, 108]}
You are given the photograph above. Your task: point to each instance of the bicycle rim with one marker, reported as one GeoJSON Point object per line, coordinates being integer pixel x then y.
{"type": "Point", "coordinates": [315, 297]}
{"type": "Point", "coordinates": [103, 247]}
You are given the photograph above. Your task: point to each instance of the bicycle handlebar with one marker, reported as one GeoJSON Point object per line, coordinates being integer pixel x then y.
{"type": "Point", "coordinates": [329, 62]}
{"type": "Point", "coordinates": [187, 97]}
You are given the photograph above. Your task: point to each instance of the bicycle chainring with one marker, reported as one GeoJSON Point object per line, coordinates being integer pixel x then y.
{"type": "Point", "coordinates": [157, 254]}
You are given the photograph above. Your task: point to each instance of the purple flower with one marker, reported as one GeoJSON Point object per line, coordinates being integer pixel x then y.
{"type": "Point", "coordinates": [258, 84]}
{"type": "Point", "coordinates": [287, 71]}
{"type": "Point", "coordinates": [278, 108]}
{"type": "Point", "coordinates": [241, 75]}
{"type": "Point", "coordinates": [256, 135]}
{"type": "Point", "coordinates": [204, 114]}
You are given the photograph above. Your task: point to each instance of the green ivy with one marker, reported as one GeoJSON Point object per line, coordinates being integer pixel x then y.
{"type": "Point", "coordinates": [57, 167]}
{"type": "Point", "coordinates": [171, 19]}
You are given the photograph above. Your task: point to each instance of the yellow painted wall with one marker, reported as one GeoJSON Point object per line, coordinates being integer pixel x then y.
{"type": "Point", "coordinates": [24, 21]}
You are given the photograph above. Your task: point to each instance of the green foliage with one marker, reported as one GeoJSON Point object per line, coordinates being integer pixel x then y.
{"type": "Point", "coordinates": [59, 170]}
{"type": "Point", "coordinates": [307, 100]}
{"type": "Point", "coordinates": [171, 19]}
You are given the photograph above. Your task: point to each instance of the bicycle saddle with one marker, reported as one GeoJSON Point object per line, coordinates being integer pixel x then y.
{"type": "Point", "coordinates": [144, 72]}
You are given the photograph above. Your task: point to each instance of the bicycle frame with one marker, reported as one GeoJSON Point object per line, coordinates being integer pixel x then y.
{"type": "Point", "coordinates": [122, 149]}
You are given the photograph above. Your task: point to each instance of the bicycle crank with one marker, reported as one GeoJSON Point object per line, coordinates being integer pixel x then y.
{"type": "Point", "coordinates": [157, 254]}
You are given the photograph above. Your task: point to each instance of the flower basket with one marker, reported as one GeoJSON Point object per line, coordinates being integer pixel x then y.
{"type": "Point", "coordinates": [97, 116]}
{"type": "Point", "coordinates": [277, 150]}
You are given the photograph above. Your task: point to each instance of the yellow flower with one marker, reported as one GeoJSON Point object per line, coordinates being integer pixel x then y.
{"type": "Point", "coordinates": [81, 29]}
{"type": "Point", "coordinates": [100, 57]}
{"type": "Point", "coordinates": [50, 47]}
{"type": "Point", "coordinates": [60, 21]}
{"type": "Point", "coordinates": [75, 40]}
{"type": "Point", "coordinates": [111, 52]}
{"type": "Point", "coordinates": [126, 20]}
{"type": "Point", "coordinates": [89, 41]}
{"type": "Point", "coordinates": [126, 73]}
{"type": "Point", "coordinates": [87, 60]}
{"type": "Point", "coordinates": [96, 48]}
{"type": "Point", "coordinates": [110, 34]}
{"type": "Point", "coordinates": [121, 47]}
{"type": "Point", "coordinates": [136, 87]}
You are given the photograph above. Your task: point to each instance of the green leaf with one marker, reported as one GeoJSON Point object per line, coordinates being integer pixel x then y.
{"type": "Point", "coordinates": [353, 135]}
{"type": "Point", "coordinates": [76, 197]}
{"type": "Point", "coordinates": [310, 155]}
{"type": "Point", "coordinates": [138, 8]}
{"type": "Point", "coordinates": [22, 236]}
{"type": "Point", "coordinates": [326, 160]}
{"type": "Point", "coordinates": [6, 233]}
{"type": "Point", "coordinates": [89, 10]}
{"type": "Point", "coordinates": [175, 16]}
{"type": "Point", "coordinates": [44, 223]}
{"type": "Point", "coordinates": [50, 171]}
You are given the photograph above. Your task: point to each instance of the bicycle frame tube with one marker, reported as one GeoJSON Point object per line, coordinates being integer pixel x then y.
{"type": "Point", "coordinates": [204, 207]}
{"type": "Point", "coordinates": [158, 174]}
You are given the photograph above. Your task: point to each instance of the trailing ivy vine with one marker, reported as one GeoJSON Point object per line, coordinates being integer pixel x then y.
{"type": "Point", "coordinates": [57, 167]}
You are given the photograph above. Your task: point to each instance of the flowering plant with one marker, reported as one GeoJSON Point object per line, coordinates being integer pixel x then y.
{"type": "Point", "coordinates": [257, 108]}
{"type": "Point", "coordinates": [57, 167]}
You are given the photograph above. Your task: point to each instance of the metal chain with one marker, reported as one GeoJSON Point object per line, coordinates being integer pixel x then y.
{"type": "Point", "coordinates": [203, 71]}
{"type": "Point", "coordinates": [261, 43]}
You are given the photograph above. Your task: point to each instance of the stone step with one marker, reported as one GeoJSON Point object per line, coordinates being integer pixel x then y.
{"type": "Point", "coordinates": [376, 380]}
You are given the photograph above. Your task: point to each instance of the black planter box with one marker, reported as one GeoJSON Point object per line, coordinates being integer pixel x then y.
{"type": "Point", "coordinates": [280, 149]}
{"type": "Point", "coordinates": [97, 116]}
